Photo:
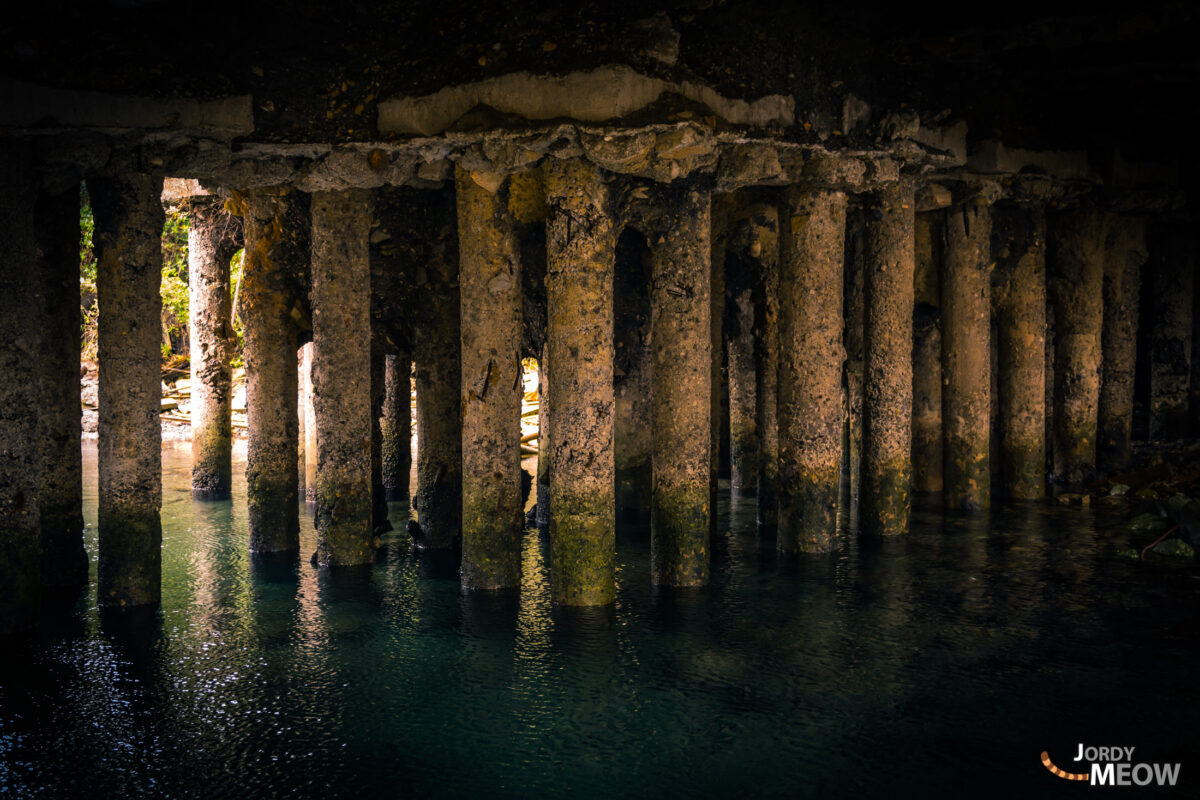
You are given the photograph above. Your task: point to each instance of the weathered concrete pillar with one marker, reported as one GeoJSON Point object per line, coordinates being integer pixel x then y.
{"type": "Point", "coordinates": [20, 345]}
{"type": "Point", "coordinates": [580, 253]}
{"type": "Point", "coordinates": [1194, 391]}
{"type": "Point", "coordinates": [490, 287]}
{"type": "Point", "coordinates": [966, 357]}
{"type": "Point", "coordinates": [275, 249]}
{"type": "Point", "coordinates": [1019, 300]}
{"type": "Point", "coordinates": [743, 423]}
{"type": "Point", "coordinates": [60, 492]}
{"type": "Point", "coordinates": [1076, 275]}
{"type": "Point", "coordinates": [927, 356]}
{"type": "Point", "coordinates": [1173, 280]}
{"type": "Point", "coordinates": [301, 426]}
{"type": "Point", "coordinates": [718, 416]}
{"type": "Point", "coordinates": [396, 426]}
{"type": "Point", "coordinates": [379, 506]}
{"type": "Point", "coordinates": [681, 395]}
{"type": "Point", "coordinates": [341, 297]}
{"type": "Point", "coordinates": [544, 467]}
{"type": "Point", "coordinates": [889, 262]}
{"type": "Point", "coordinates": [310, 424]}
{"type": "Point", "coordinates": [763, 247]}
{"type": "Point", "coordinates": [128, 215]}
{"type": "Point", "coordinates": [811, 353]}
{"type": "Point", "coordinates": [1118, 339]}
{"type": "Point", "coordinates": [855, 311]}
{"type": "Point", "coordinates": [631, 376]}
{"type": "Point", "coordinates": [210, 326]}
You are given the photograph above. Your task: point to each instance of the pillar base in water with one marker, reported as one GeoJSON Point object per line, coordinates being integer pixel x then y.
{"type": "Point", "coordinates": [678, 555]}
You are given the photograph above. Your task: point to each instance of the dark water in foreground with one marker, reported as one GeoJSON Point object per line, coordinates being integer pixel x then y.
{"type": "Point", "coordinates": [939, 664]}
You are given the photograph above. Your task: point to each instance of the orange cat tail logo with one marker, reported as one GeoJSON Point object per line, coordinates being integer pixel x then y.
{"type": "Point", "coordinates": [1071, 776]}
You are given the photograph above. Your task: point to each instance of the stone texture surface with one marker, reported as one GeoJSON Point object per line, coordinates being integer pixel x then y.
{"type": "Point", "coordinates": [1126, 253]}
{"type": "Point", "coordinates": [396, 426]}
{"type": "Point", "coordinates": [1173, 281]}
{"type": "Point", "coordinates": [927, 356]}
{"type": "Point", "coordinates": [762, 245]}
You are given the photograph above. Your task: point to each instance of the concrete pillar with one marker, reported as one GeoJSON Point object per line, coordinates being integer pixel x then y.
{"type": "Point", "coordinates": [490, 287]}
{"type": "Point", "coordinates": [20, 328]}
{"type": "Point", "coordinates": [396, 426]}
{"type": "Point", "coordinates": [1076, 275]}
{"type": "Point", "coordinates": [1126, 253]}
{"type": "Point", "coordinates": [763, 247]}
{"type": "Point", "coordinates": [927, 356]}
{"type": "Point", "coordinates": [889, 262]}
{"type": "Point", "coordinates": [60, 491]}
{"type": "Point", "coordinates": [543, 440]}
{"type": "Point", "coordinates": [809, 410]}
{"type": "Point", "coordinates": [1019, 301]}
{"type": "Point", "coordinates": [743, 423]}
{"type": "Point", "coordinates": [1173, 278]}
{"type": "Point", "coordinates": [966, 357]}
{"type": "Point", "coordinates": [310, 424]}
{"type": "Point", "coordinates": [301, 427]}
{"type": "Point", "coordinates": [681, 394]}
{"type": "Point", "coordinates": [341, 297]}
{"type": "Point", "coordinates": [718, 416]}
{"type": "Point", "coordinates": [855, 311]}
{"type": "Point", "coordinates": [631, 376]}
{"type": "Point", "coordinates": [210, 326]}
{"type": "Point", "coordinates": [379, 506]}
{"type": "Point", "coordinates": [128, 216]}
{"type": "Point", "coordinates": [580, 252]}
{"type": "Point", "coordinates": [274, 251]}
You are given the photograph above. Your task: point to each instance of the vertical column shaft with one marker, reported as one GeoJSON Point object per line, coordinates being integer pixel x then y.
{"type": "Point", "coordinates": [855, 310]}
{"type": "Point", "coordinates": [396, 426]}
{"type": "Point", "coordinates": [580, 252]}
{"type": "Point", "coordinates": [341, 297]}
{"type": "Point", "coordinates": [631, 375]}
{"type": "Point", "coordinates": [809, 406]}
{"type": "Point", "coordinates": [743, 423]}
{"type": "Point", "coordinates": [764, 249]}
{"type": "Point", "coordinates": [129, 217]}
{"type": "Point", "coordinates": [1077, 270]}
{"type": "Point", "coordinates": [681, 392]}
{"type": "Point", "coordinates": [490, 287]}
{"type": "Point", "coordinates": [1174, 277]}
{"type": "Point", "coordinates": [543, 466]}
{"type": "Point", "coordinates": [210, 329]}
{"type": "Point", "coordinates": [274, 249]}
{"type": "Point", "coordinates": [889, 249]}
{"type": "Point", "coordinates": [927, 357]}
{"type": "Point", "coordinates": [1118, 339]}
{"type": "Point", "coordinates": [966, 357]}
{"type": "Point", "coordinates": [718, 388]}
{"type": "Point", "coordinates": [310, 423]}
{"type": "Point", "coordinates": [379, 506]}
{"type": "Point", "coordinates": [301, 427]}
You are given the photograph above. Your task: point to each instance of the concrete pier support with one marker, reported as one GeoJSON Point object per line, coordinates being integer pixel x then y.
{"type": "Point", "coordinates": [927, 356]}
{"type": "Point", "coordinates": [1076, 270]}
{"type": "Point", "coordinates": [810, 406]}
{"type": "Point", "coordinates": [490, 286]}
{"type": "Point", "coordinates": [743, 423]}
{"type": "Point", "coordinates": [542, 515]}
{"type": "Point", "coordinates": [718, 388]}
{"type": "Point", "coordinates": [310, 424]}
{"type": "Point", "coordinates": [379, 505]}
{"type": "Point", "coordinates": [631, 376]}
{"type": "Point", "coordinates": [20, 327]}
{"type": "Point", "coordinates": [211, 245]}
{"type": "Point", "coordinates": [854, 298]}
{"type": "Point", "coordinates": [1126, 253]}
{"type": "Point", "coordinates": [763, 247]}
{"type": "Point", "coordinates": [128, 215]}
{"type": "Point", "coordinates": [396, 426]}
{"type": "Point", "coordinates": [60, 491]}
{"type": "Point", "coordinates": [275, 248]}
{"type": "Point", "coordinates": [1019, 302]}
{"type": "Point", "coordinates": [1173, 280]}
{"type": "Point", "coordinates": [966, 357]}
{"type": "Point", "coordinates": [681, 395]}
{"type": "Point", "coordinates": [301, 428]}
{"type": "Point", "coordinates": [889, 261]}
{"type": "Point", "coordinates": [341, 296]}
{"type": "Point", "coordinates": [580, 252]}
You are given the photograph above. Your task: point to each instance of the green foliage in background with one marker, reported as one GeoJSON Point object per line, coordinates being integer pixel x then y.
{"type": "Point", "coordinates": [174, 289]}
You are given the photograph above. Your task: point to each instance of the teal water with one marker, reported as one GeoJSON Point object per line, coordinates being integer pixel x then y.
{"type": "Point", "coordinates": [941, 663]}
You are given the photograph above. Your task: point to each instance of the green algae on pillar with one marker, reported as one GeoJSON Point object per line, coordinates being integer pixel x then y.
{"type": "Point", "coordinates": [810, 410]}
{"type": "Point", "coordinates": [128, 215]}
{"type": "Point", "coordinates": [60, 492]}
{"type": "Point", "coordinates": [1118, 339]}
{"type": "Point", "coordinates": [210, 327]}
{"type": "Point", "coordinates": [927, 357]}
{"type": "Point", "coordinates": [275, 249]}
{"type": "Point", "coordinates": [580, 252]}
{"type": "Point", "coordinates": [681, 391]}
{"type": "Point", "coordinates": [1076, 276]}
{"type": "Point", "coordinates": [1019, 301]}
{"type": "Point", "coordinates": [1173, 276]}
{"type": "Point", "coordinates": [341, 296]}
{"type": "Point", "coordinates": [490, 291]}
{"type": "Point", "coordinates": [966, 357]}
{"type": "Point", "coordinates": [396, 426]}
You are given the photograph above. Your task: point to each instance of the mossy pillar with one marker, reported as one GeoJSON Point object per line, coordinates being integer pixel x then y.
{"type": "Point", "coordinates": [396, 426]}
{"type": "Point", "coordinates": [210, 327]}
{"type": "Point", "coordinates": [1076, 268]}
{"type": "Point", "coordinates": [128, 215]}
{"type": "Point", "coordinates": [490, 287]}
{"type": "Point", "coordinates": [275, 249]}
{"type": "Point", "coordinates": [927, 356]}
{"type": "Point", "coordinates": [1019, 303]}
{"type": "Point", "coordinates": [743, 423]}
{"type": "Point", "coordinates": [681, 390]}
{"type": "Point", "coordinates": [810, 406]}
{"type": "Point", "coordinates": [580, 254]}
{"type": "Point", "coordinates": [763, 248]}
{"type": "Point", "coordinates": [542, 515]}
{"type": "Point", "coordinates": [20, 346]}
{"type": "Point", "coordinates": [310, 424]}
{"type": "Point", "coordinates": [1173, 280]}
{"type": "Point", "coordinates": [966, 356]}
{"type": "Point", "coordinates": [341, 296]}
{"type": "Point", "coordinates": [60, 491]}
{"type": "Point", "coordinates": [1126, 253]}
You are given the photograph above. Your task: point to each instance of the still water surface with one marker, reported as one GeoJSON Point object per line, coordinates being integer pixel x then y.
{"type": "Point", "coordinates": [939, 664]}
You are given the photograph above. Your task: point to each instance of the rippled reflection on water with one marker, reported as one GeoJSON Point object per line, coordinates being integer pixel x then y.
{"type": "Point", "coordinates": [943, 662]}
